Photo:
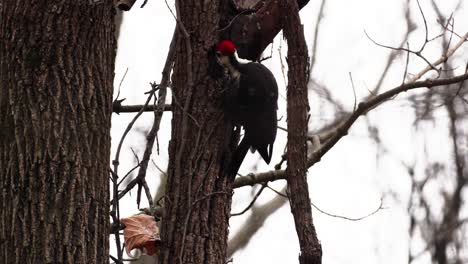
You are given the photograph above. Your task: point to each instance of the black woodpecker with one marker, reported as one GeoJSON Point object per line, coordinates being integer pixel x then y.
{"type": "Point", "coordinates": [250, 99]}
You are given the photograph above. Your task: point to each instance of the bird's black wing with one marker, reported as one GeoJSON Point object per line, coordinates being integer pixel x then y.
{"type": "Point", "coordinates": [258, 86]}
{"type": "Point", "coordinates": [259, 92]}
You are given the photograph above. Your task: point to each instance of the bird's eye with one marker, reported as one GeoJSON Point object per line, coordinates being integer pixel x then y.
{"type": "Point", "coordinates": [218, 53]}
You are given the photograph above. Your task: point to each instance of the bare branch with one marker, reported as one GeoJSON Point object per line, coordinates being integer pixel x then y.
{"type": "Point", "coordinates": [442, 59]}
{"type": "Point", "coordinates": [362, 109]}
{"type": "Point", "coordinates": [118, 108]}
{"type": "Point", "coordinates": [158, 109]}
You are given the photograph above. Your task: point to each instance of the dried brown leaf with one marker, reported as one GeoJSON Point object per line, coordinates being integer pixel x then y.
{"type": "Point", "coordinates": [141, 232]}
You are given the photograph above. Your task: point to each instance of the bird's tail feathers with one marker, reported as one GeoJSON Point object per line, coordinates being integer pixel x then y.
{"type": "Point", "coordinates": [237, 158]}
{"type": "Point", "coordinates": [266, 152]}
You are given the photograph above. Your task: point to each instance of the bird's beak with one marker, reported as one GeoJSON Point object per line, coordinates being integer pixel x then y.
{"type": "Point", "coordinates": [222, 59]}
{"type": "Point", "coordinates": [218, 56]}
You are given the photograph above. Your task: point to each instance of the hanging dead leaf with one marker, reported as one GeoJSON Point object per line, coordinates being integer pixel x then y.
{"type": "Point", "coordinates": [141, 232]}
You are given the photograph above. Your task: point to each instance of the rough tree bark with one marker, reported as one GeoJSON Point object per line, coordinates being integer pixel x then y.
{"type": "Point", "coordinates": [298, 106]}
{"type": "Point", "coordinates": [197, 203]}
{"type": "Point", "coordinates": [56, 77]}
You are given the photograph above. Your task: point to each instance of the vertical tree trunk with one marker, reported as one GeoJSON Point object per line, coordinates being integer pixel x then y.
{"type": "Point", "coordinates": [197, 205]}
{"type": "Point", "coordinates": [296, 172]}
{"type": "Point", "coordinates": [56, 75]}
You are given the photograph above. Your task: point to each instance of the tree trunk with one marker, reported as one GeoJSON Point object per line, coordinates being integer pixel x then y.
{"type": "Point", "coordinates": [197, 202]}
{"type": "Point", "coordinates": [296, 172]}
{"type": "Point", "coordinates": [56, 77]}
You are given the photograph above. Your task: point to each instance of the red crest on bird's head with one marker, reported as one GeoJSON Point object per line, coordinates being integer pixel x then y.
{"type": "Point", "coordinates": [226, 47]}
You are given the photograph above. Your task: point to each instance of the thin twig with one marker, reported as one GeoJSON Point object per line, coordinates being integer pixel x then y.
{"type": "Point", "coordinates": [442, 59]}
{"type": "Point", "coordinates": [115, 214]}
{"type": "Point", "coordinates": [426, 40]}
{"type": "Point", "coordinates": [234, 18]}
{"type": "Point", "coordinates": [144, 3]}
{"type": "Point", "coordinates": [380, 207]}
{"type": "Point", "coordinates": [336, 215]}
{"type": "Point", "coordinates": [393, 55]}
{"type": "Point", "coordinates": [354, 90]}
{"type": "Point", "coordinates": [283, 72]}
{"type": "Point", "coordinates": [158, 168]}
{"type": "Point", "coordinates": [417, 53]}
{"type": "Point", "coordinates": [316, 35]}
{"type": "Point", "coordinates": [128, 173]}
{"type": "Point", "coordinates": [120, 84]}
{"type": "Point", "coordinates": [252, 202]}
{"type": "Point", "coordinates": [406, 66]}
{"type": "Point", "coordinates": [115, 162]}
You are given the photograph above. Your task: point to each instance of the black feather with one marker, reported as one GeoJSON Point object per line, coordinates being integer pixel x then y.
{"type": "Point", "coordinates": [250, 100]}
{"type": "Point", "coordinates": [237, 159]}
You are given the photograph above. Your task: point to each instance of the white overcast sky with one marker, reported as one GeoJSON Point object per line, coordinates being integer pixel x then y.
{"type": "Point", "coordinates": [349, 180]}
